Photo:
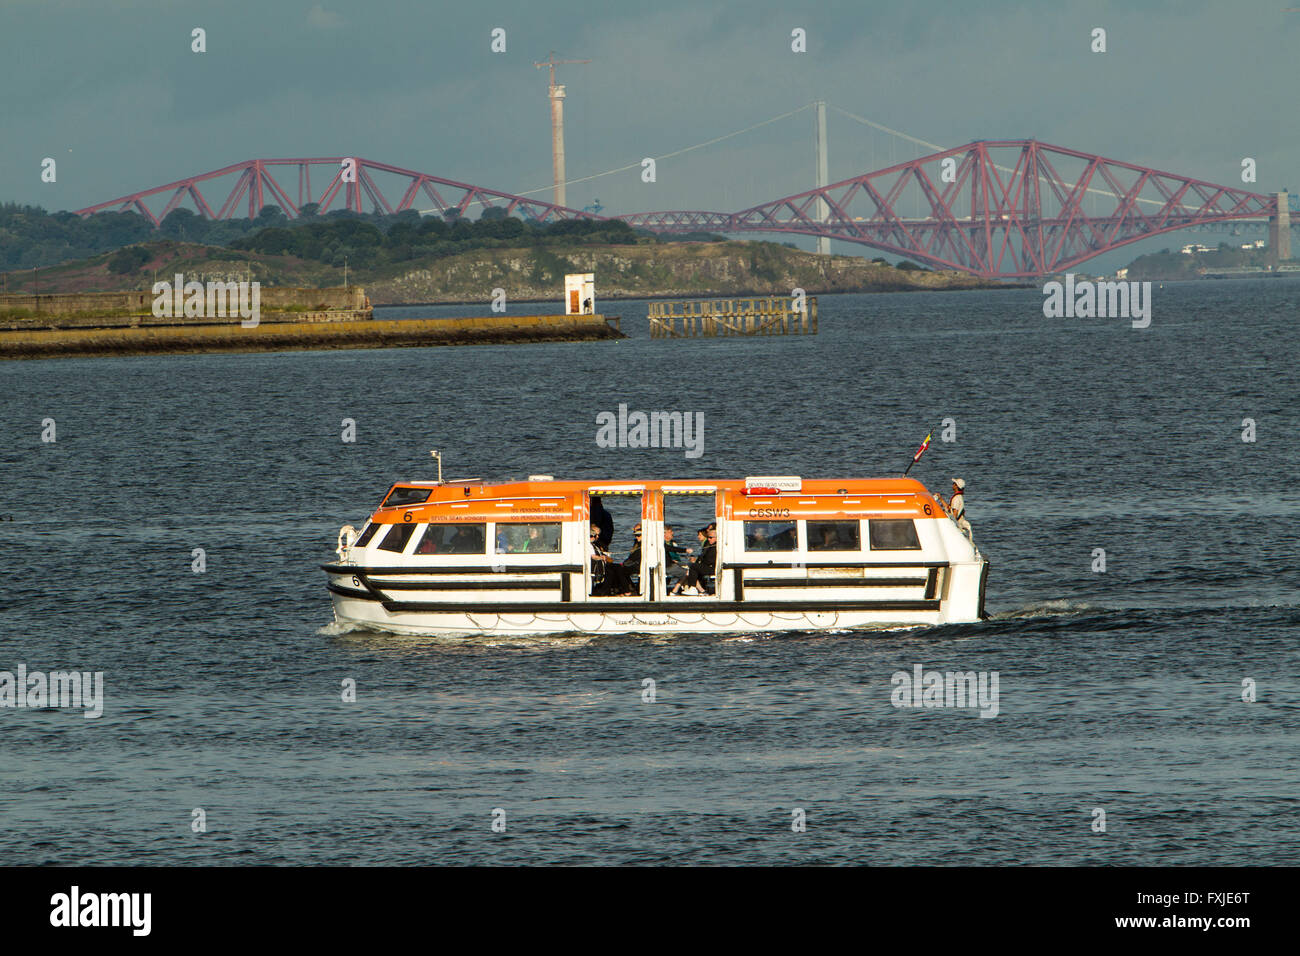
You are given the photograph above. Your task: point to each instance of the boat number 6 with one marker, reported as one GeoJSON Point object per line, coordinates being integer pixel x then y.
{"type": "Point", "coordinates": [356, 580]}
{"type": "Point", "coordinates": [406, 517]}
{"type": "Point", "coordinates": [928, 510]}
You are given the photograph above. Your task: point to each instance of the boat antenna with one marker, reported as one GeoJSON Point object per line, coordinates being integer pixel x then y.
{"type": "Point", "coordinates": [437, 456]}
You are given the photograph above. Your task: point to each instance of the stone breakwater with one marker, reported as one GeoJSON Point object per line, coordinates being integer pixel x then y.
{"type": "Point", "coordinates": [135, 307]}
{"type": "Point", "coordinates": [299, 336]}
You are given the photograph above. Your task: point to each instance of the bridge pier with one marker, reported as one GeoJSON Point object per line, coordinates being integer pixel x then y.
{"type": "Point", "coordinates": [1279, 232]}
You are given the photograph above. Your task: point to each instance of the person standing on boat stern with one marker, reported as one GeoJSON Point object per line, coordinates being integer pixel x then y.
{"type": "Point", "coordinates": [958, 506]}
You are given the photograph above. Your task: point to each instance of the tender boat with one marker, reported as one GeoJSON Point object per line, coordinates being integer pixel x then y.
{"type": "Point", "coordinates": [793, 554]}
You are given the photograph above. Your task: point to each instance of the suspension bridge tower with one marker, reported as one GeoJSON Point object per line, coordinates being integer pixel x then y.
{"type": "Point", "coordinates": [556, 94]}
{"type": "Point", "coordinates": [1279, 231]}
{"type": "Point", "coordinates": [823, 175]}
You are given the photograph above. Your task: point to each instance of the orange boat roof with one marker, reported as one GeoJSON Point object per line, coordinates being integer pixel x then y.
{"type": "Point", "coordinates": [475, 500]}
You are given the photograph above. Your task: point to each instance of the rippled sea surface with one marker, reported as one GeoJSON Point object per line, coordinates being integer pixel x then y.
{"type": "Point", "coordinates": [1120, 691]}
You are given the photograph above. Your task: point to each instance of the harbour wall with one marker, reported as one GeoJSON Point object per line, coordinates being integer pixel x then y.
{"type": "Point", "coordinates": [135, 307]}
{"type": "Point", "coordinates": [298, 336]}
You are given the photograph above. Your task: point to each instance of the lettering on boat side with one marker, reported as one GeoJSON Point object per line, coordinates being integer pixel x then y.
{"type": "Point", "coordinates": [477, 516]}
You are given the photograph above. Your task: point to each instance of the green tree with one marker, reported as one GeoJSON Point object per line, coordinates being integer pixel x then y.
{"type": "Point", "coordinates": [128, 260]}
{"type": "Point", "coordinates": [433, 228]}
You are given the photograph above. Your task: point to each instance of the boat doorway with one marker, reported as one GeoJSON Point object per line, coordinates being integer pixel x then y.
{"type": "Point", "coordinates": [621, 515]}
{"type": "Point", "coordinates": [687, 512]}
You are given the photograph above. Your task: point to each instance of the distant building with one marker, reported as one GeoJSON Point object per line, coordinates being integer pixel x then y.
{"type": "Point", "coordinates": [1194, 247]}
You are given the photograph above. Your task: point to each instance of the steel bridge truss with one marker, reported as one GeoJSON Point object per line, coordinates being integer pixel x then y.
{"type": "Point", "coordinates": [262, 182]}
{"type": "Point", "coordinates": [1004, 209]}
{"type": "Point", "coordinates": [998, 209]}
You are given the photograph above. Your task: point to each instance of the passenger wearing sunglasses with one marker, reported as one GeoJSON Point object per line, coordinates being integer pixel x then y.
{"type": "Point", "coordinates": [608, 577]}
{"type": "Point", "coordinates": [702, 567]}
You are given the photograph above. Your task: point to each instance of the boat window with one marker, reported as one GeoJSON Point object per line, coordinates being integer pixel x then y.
{"type": "Point", "coordinates": [771, 536]}
{"type": "Point", "coordinates": [834, 536]}
{"type": "Point", "coordinates": [893, 534]}
{"type": "Point", "coordinates": [536, 538]}
{"type": "Point", "coordinates": [406, 496]}
{"type": "Point", "coordinates": [367, 533]}
{"type": "Point", "coordinates": [452, 539]}
{"type": "Point", "coordinates": [398, 535]}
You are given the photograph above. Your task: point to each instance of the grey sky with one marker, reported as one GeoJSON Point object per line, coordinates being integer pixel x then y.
{"type": "Point", "coordinates": [114, 94]}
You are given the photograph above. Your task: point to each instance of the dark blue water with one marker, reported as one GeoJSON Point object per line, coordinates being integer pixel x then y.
{"type": "Point", "coordinates": [1119, 691]}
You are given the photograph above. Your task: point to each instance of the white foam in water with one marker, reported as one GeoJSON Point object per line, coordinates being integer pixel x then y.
{"type": "Point", "coordinates": [1059, 608]}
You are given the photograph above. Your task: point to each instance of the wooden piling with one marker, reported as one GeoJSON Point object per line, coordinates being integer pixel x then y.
{"type": "Point", "coordinates": [774, 315]}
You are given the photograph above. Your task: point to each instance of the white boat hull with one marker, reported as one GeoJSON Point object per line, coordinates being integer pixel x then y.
{"type": "Point", "coordinates": [679, 615]}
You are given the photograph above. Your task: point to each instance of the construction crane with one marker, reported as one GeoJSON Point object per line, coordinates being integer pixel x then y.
{"type": "Point", "coordinates": [556, 94]}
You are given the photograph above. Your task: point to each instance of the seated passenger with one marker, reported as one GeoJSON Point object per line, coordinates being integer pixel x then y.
{"type": "Point", "coordinates": [609, 578]}
{"type": "Point", "coordinates": [467, 540]}
{"type": "Point", "coordinates": [632, 563]}
{"type": "Point", "coordinates": [603, 521]}
{"type": "Point", "coordinates": [534, 542]}
{"type": "Point", "coordinates": [787, 540]}
{"type": "Point", "coordinates": [703, 567]}
{"type": "Point", "coordinates": [674, 551]}
{"type": "Point", "coordinates": [597, 562]}
{"type": "Point", "coordinates": [429, 543]}
{"type": "Point", "coordinates": [674, 556]}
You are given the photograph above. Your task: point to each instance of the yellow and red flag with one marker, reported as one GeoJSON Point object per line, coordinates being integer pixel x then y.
{"type": "Point", "coordinates": [919, 452]}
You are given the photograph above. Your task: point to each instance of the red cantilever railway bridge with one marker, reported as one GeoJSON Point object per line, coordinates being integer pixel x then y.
{"type": "Point", "coordinates": [998, 209]}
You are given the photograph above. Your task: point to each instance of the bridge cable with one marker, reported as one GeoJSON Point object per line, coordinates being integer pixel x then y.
{"type": "Point", "coordinates": [941, 149]}
{"type": "Point", "coordinates": [637, 164]}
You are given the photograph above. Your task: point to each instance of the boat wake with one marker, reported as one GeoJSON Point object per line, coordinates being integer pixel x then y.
{"type": "Point", "coordinates": [1042, 609]}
